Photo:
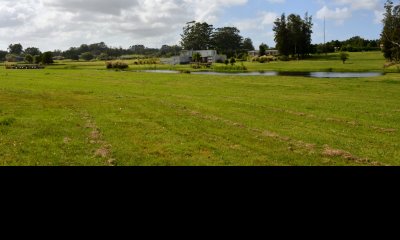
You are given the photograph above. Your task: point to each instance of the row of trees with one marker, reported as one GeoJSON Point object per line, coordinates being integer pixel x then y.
{"type": "Point", "coordinates": [89, 51]}
{"type": "Point", "coordinates": [17, 53]}
{"type": "Point", "coordinates": [391, 32]}
{"type": "Point", "coordinates": [293, 35]}
{"type": "Point", "coordinates": [354, 44]}
{"type": "Point", "coordinates": [226, 40]}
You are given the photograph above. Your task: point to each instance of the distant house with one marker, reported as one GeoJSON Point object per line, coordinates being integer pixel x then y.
{"type": "Point", "coordinates": [208, 56]}
{"type": "Point", "coordinates": [256, 53]}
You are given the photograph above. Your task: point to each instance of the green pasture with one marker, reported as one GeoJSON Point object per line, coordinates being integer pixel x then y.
{"type": "Point", "coordinates": [78, 113]}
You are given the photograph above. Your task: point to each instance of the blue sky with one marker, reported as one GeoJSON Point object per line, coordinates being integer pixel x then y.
{"type": "Point", "coordinates": [361, 19]}
{"type": "Point", "coordinates": [59, 24]}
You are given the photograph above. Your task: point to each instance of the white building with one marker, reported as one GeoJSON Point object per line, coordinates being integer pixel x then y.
{"type": "Point", "coordinates": [186, 57]}
{"type": "Point", "coordinates": [267, 53]}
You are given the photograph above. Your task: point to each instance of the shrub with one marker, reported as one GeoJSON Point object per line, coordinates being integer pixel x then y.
{"type": "Point", "coordinates": [103, 57]}
{"type": "Point", "coordinates": [226, 62]}
{"type": "Point", "coordinates": [227, 68]}
{"type": "Point", "coordinates": [284, 58]}
{"type": "Point", "coordinates": [344, 56]}
{"type": "Point", "coordinates": [29, 58]}
{"type": "Point", "coordinates": [47, 58]}
{"type": "Point", "coordinates": [37, 59]}
{"type": "Point", "coordinates": [220, 61]}
{"type": "Point", "coordinates": [233, 61]}
{"type": "Point", "coordinates": [87, 56]}
{"type": "Point", "coordinates": [116, 65]}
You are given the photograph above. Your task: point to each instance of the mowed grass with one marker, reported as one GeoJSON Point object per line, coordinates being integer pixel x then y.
{"type": "Point", "coordinates": [89, 117]}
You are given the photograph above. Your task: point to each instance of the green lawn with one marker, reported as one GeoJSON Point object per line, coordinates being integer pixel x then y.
{"type": "Point", "coordinates": [74, 114]}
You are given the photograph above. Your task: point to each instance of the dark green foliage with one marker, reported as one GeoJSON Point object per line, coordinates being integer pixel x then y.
{"type": "Point", "coordinates": [16, 49]}
{"type": "Point", "coordinates": [232, 61]}
{"type": "Point", "coordinates": [196, 57]}
{"type": "Point", "coordinates": [227, 40]}
{"type": "Point", "coordinates": [47, 58]}
{"type": "Point", "coordinates": [3, 55]}
{"type": "Point", "coordinates": [103, 57]}
{"type": "Point", "coordinates": [32, 51]}
{"type": "Point", "coordinates": [87, 56]}
{"type": "Point", "coordinates": [248, 45]}
{"type": "Point", "coordinates": [28, 58]}
{"type": "Point", "coordinates": [197, 36]}
{"type": "Point", "coordinates": [344, 56]}
{"type": "Point", "coordinates": [116, 65]}
{"type": "Point", "coordinates": [226, 62]}
{"type": "Point", "coordinates": [293, 35]}
{"type": "Point", "coordinates": [37, 59]}
{"type": "Point", "coordinates": [263, 49]}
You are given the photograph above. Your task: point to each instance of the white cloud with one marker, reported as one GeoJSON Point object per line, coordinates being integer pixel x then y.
{"type": "Point", "coordinates": [64, 23]}
{"type": "Point", "coordinates": [338, 14]}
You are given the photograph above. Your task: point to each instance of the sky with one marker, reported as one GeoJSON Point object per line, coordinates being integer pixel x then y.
{"type": "Point", "coordinates": [60, 24]}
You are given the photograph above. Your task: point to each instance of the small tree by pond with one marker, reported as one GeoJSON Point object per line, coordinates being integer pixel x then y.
{"type": "Point", "coordinates": [233, 61]}
{"type": "Point", "coordinates": [344, 57]}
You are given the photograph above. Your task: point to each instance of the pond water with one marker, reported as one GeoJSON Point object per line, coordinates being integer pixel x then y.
{"type": "Point", "coordinates": [275, 73]}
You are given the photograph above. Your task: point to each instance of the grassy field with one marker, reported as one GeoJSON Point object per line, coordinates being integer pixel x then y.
{"type": "Point", "coordinates": [81, 114]}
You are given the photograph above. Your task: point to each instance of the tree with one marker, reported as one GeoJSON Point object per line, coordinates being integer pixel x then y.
{"type": "Point", "coordinates": [47, 58]}
{"type": "Point", "coordinates": [29, 58]}
{"type": "Point", "coordinates": [263, 49]}
{"type": "Point", "coordinates": [197, 36]}
{"type": "Point", "coordinates": [227, 40]}
{"type": "Point", "coordinates": [232, 61]}
{"type": "Point", "coordinates": [37, 59]}
{"type": "Point", "coordinates": [344, 56]}
{"type": "Point", "coordinates": [32, 51]}
{"type": "Point", "coordinates": [3, 55]}
{"type": "Point", "coordinates": [282, 35]}
{"type": "Point", "coordinates": [247, 45]}
{"type": "Point", "coordinates": [103, 57]}
{"type": "Point", "coordinates": [293, 35]}
{"type": "Point", "coordinates": [391, 32]}
{"type": "Point", "coordinates": [15, 49]}
{"type": "Point", "coordinates": [87, 56]}
{"type": "Point", "coordinates": [196, 57]}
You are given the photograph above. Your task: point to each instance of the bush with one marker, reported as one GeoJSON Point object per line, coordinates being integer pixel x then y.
{"type": "Point", "coordinates": [87, 56]}
{"type": "Point", "coordinates": [220, 61]}
{"type": "Point", "coordinates": [103, 57]}
{"type": "Point", "coordinates": [47, 58]}
{"type": "Point", "coordinates": [284, 58]}
{"type": "Point", "coordinates": [232, 61]}
{"type": "Point", "coordinates": [344, 56]}
{"type": "Point", "coordinates": [116, 65]}
{"type": "Point", "coordinates": [227, 68]}
{"type": "Point", "coordinates": [29, 59]}
{"type": "Point", "coordinates": [226, 62]}
{"type": "Point", "coordinates": [37, 59]}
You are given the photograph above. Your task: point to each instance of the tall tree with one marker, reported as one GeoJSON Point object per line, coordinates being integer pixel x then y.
{"type": "Point", "coordinates": [16, 49]}
{"type": "Point", "coordinates": [197, 36]}
{"type": "Point", "coordinates": [227, 40]}
{"type": "Point", "coordinates": [293, 35]}
{"type": "Point", "coordinates": [390, 33]}
{"type": "Point", "coordinates": [282, 35]}
{"type": "Point", "coordinates": [263, 48]}
{"type": "Point", "coordinates": [32, 51]}
{"type": "Point", "coordinates": [248, 45]}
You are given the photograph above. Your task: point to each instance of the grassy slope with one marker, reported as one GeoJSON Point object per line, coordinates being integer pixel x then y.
{"type": "Point", "coordinates": [90, 117]}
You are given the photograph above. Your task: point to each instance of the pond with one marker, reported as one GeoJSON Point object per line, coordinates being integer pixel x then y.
{"type": "Point", "coordinates": [275, 73]}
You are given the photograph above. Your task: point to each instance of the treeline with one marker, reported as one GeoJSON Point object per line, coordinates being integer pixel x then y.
{"type": "Point", "coordinates": [226, 40]}
{"type": "Point", "coordinates": [87, 52]}
{"type": "Point", "coordinates": [354, 44]}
